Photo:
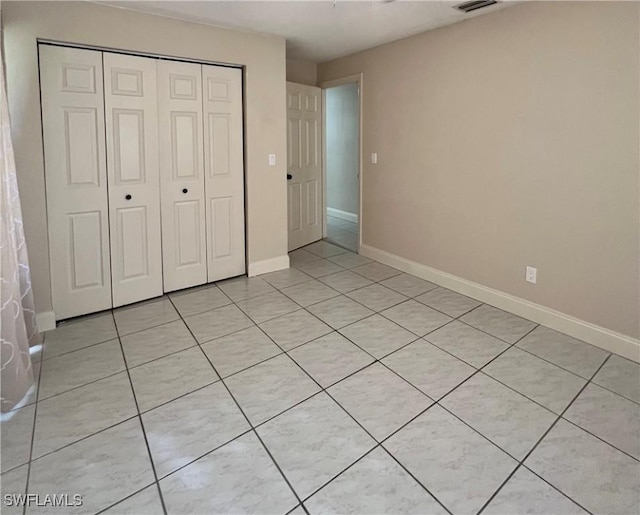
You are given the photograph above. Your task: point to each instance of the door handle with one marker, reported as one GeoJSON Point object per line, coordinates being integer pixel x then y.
{"type": "Point", "coordinates": [185, 190]}
{"type": "Point", "coordinates": [289, 176]}
{"type": "Point", "coordinates": [128, 197]}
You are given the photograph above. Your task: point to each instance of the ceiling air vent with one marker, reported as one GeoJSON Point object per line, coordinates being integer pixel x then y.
{"type": "Point", "coordinates": [467, 7]}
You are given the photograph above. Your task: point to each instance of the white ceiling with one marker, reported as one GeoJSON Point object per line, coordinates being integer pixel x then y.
{"type": "Point", "coordinates": [318, 30]}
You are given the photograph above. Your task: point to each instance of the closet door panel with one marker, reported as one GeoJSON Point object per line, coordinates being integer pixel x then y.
{"type": "Point", "coordinates": [224, 171]}
{"type": "Point", "coordinates": [134, 183]}
{"type": "Point", "coordinates": [76, 179]}
{"type": "Point", "coordinates": [182, 174]}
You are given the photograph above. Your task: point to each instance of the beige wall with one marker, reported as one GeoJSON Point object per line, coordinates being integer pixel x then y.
{"type": "Point", "coordinates": [302, 72]}
{"type": "Point", "coordinates": [510, 140]}
{"type": "Point", "coordinates": [342, 143]}
{"type": "Point", "coordinates": [91, 24]}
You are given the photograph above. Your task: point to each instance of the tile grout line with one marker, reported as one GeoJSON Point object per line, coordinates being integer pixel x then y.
{"type": "Point", "coordinates": [325, 390]}
{"type": "Point", "coordinates": [459, 319]}
{"type": "Point", "coordinates": [442, 287]}
{"type": "Point", "coordinates": [366, 366]}
{"type": "Point", "coordinates": [252, 428]}
{"type": "Point", "coordinates": [140, 421]}
{"type": "Point", "coordinates": [33, 433]}
{"type": "Point", "coordinates": [322, 390]}
{"type": "Point", "coordinates": [544, 435]}
{"type": "Point", "coordinates": [331, 385]}
{"type": "Point", "coordinates": [377, 443]}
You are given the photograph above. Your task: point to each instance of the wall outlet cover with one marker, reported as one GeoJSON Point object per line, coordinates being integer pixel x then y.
{"type": "Point", "coordinates": [531, 274]}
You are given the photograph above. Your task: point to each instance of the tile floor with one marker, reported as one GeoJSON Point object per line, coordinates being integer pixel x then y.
{"type": "Point", "coordinates": [342, 233]}
{"type": "Point", "coordinates": [340, 385]}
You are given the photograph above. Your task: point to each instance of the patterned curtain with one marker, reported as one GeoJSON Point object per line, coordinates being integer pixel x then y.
{"type": "Point", "coordinates": [18, 330]}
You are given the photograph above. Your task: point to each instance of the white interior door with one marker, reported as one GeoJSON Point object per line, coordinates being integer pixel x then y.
{"type": "Point", "coordinates": [184, 254]}
{"type": "Point", "coordinates": [304, 172]}
{"type": "Point", "coordinates": [76, 179]}
{"type": "Point", "coordinates": [131, 107]}
{"type": "Point", "coordinates": [224, 171]}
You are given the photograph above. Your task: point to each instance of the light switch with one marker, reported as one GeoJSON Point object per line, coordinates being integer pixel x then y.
{"type": "Point", "coordinates": [272, 159]}
{"type": "Point", "coordinates": [374, 158]}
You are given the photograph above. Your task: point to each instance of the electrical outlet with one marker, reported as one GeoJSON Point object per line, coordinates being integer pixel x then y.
{"type": "Point", "coordinates": [272, 159]}
{"type": "Point", "coordinates": [530, 274]}
{"type": "Point", "coordinates": [374, 158]}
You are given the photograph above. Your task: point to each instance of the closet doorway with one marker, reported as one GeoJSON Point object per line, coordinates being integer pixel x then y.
{"type": "Point", "coordinates": [342, 163]}
{"type": "Point", "coordinates": [144, 172]}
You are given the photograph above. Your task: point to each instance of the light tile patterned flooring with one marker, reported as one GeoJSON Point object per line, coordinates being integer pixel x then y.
{"type": "Point", "coordinates": [338, 386]}
{"type": "Point", "coordinates": [342, 233]}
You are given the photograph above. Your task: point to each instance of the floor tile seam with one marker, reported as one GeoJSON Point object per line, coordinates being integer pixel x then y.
{"type": "Point", "coordinates": [142, 413]}
{"type": "Point", "coordinates": [599, 385]}
{"type": "Point", "coordinates": [312, 304]}
{"type": "Point", "coordinates": [252, 428]}
{"type": "Point", "coordinates": [508, 346]}
{"type": "Point", "coordinates": [172, 353]}
{"type": "Point", "coordinates": [178, 317]}
{"type": "Point", "coordinates": [406, 469]}
{"type": "Point", "coordinates": [325, 257]}
{"type": "Point", "coordinates": [253, 365]}
{"type": "Point", "coordinates": [82, 385]}
{"type": "Point", "coordinates": [44, 358]}
{"type": "Point", "coordinates": [524, 466]}
{"type": "Point", "coordinates": [370, 308]}
{"type": "Point", "coordinates": [281, 287]}
{"type": "Point", "coordinates": [207, 310]}
{"type": "Point", "coordinates": [562, 367]}
{"type": "Point", "coordinates": [32, 440]}
{"type": "Point", "coordinates": [379, 280]}
{"type": "Point", "coordinates": [85, 437]}
{"type": "Point", "coordinates": [235, 331]}
{"type": "Point", "coordinates": [194, 289]}
{"type": "Point", "coordinates": [481, 369]}
{"type": "Point", "coordinates": [437, 401]}
{"type": "Point", "coordinates": [456, 317]}
{"type": "Point", "coordinates": [459, 319]}
{"type": "Point", "coordinates": [124, 336]}
{"type": "Point", "coordinates": [530, 321]}
{"type": "Point", "coordinates": [374, 440]}
{"type": "Point", "coordinates": [378, 443]}
{"type": "Point", "coordinates": [258, 297]}
{"type": "Point", "coordinates": [164, 403]}
{"type": "Point", "coordinates": [250, 296]}
{"type": "Point", "coordinates": [245, 432]}
{"type": "Point", "coordinates": [601, 439]}
{"type": "Point", "coordinates": [346, 377]}
{"type": "Point", "coordinates": [255, 322]}
{"type": "Point", "coordinates": [539, 441]}
{"type": "Point", "coordinates": [589, 382]}
{"type": "Point", "coordinates": [103, 510]}
{"type": "Point", "coordinates": [458, 358]}
{"type": "Point", "coordinates": [140, 421]}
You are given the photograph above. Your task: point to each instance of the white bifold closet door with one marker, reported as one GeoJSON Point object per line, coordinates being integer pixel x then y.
{"type": "Point", "coordinates": [76, 179]}
{"type": "Point", "coordinates": [131, 107]}
{"type": "Point", "coordinates": [184, 253]}
{"type": "Point", "coordinates": [224, 171]}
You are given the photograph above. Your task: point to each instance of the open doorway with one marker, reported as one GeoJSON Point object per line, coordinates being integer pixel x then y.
{"type": "Point", "coordinates": [342, 162]}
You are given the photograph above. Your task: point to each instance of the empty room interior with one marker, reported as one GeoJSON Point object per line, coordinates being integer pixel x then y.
{"type": "Point", "coordinates": [320, 257]}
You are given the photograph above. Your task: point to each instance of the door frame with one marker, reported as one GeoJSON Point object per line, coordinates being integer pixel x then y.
{"type": "Point", "coordinates": [349, 79]}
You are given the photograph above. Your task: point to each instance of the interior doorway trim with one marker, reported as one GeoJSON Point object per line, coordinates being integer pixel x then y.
{"type": "Point", "coordinates": [358, 79]}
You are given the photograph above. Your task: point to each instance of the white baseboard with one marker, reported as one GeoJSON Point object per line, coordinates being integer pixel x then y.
{"type": "Point", "coordinates": [342, 215]}
{"type": "Point", "coordinates": [46, 321]}
{"type": "Point", "coordinates": [268, 265]}
{"type": "Point", "coordinates": [599, 336]}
